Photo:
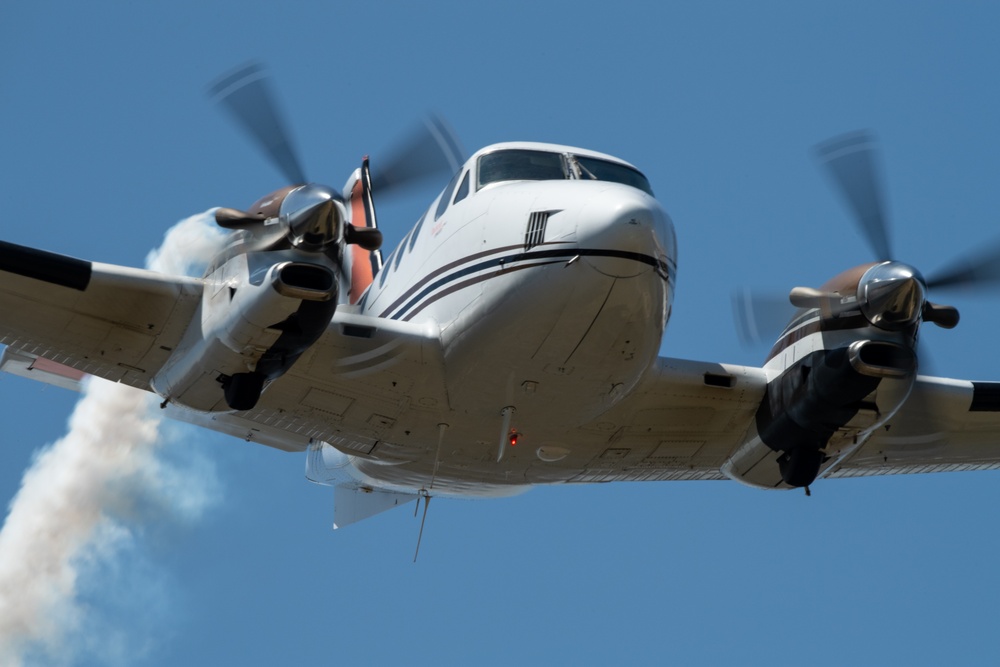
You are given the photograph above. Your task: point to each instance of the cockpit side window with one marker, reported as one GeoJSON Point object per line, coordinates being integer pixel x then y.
{"type": "Point", "coordinates": [463, 189]}
{"type": "Point", "coordinates": [446, 195]}
{"type": "Point", "coordinates": [520, 165]}
{"type": "Point", "coordinates": [602, 170]}
{"type": "Point", "coordinates": [416, 231]}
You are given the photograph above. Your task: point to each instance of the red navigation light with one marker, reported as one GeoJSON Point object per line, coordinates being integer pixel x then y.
{"type": "Point", "coordinates": [513, 438]}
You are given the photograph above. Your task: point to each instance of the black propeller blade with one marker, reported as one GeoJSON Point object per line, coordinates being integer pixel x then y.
{"type": "Point", "coordinates": [430, 150]}
{"type": "Point", "coordinates": [979, 269]}
{"type": "Point", "coordinates": [760, 317]}
{"type": "Point", "coordinates": [247, 95]}
{"type": "Point", "coordinates": [427, 152]}
{"type": "Point", "coordinates": [851, 162]}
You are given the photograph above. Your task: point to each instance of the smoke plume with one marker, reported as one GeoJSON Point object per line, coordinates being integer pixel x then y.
{"type": "Point", "coordinates": [85, 498]}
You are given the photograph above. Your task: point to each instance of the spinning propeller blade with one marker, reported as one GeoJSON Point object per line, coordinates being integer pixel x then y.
{"type": "Point", "coordinates": [760, 318]}
{"type": "Point", "coordinates": [309, 216]}
{"type": "Point", "coordinates": [246, 94]}
{"type": "Point", "coordinates": [851, 162]}
{"type": "Point", "coordinates": [429, 151]}
{"type": "Point", "coordinates": [978, 269]}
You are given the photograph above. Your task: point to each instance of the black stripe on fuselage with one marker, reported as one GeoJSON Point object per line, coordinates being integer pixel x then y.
{"type": "Point", "coordinates": [793, 334]}
{"type": "Point", "coordinates": [985, 397]}
{"type": "Point", "coordinates": [455, 287]}
{"type": "Point", "coordinates": [46, 266]}
{"type": "Point", "coordinates": [501, 265]}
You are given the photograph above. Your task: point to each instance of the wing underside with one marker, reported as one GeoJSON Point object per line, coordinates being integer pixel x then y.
{"type": "Point", "coordinates": [687, 418]}
{"type": "Point", "coordinates": [945, 426]}
{"type": "Point", "coordinates": [114, 322]}
{"type": "Point", "coordinates": [680, 424]}
{"type": "Point", "coordinates": [349, 390]}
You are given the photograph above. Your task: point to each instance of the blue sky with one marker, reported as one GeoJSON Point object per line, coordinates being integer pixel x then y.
{"type": "Point", "coordinates": [108, 139]}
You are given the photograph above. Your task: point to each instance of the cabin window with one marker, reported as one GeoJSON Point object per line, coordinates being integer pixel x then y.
{"type": "Point", "coordinates": [520, 165]}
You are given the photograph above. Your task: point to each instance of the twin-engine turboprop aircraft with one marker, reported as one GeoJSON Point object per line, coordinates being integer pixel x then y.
{"type": "Point", "coordinates": [509, 340]}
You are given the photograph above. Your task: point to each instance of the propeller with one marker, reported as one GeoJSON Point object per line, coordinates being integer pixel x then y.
{"type": "Point", "coordinates": [309, 216]}
{"type": "Point", "coordinates": [246, 94]}
{"type": "Point", "coordinates": [851, 162]}
{"type": "Point", "coordinates": [890, 294]}
{"type": "Point", "coordinates": [428, 151]}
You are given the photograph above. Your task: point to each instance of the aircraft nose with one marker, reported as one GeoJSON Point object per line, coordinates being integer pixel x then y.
{"type": "Point", "coordinates": [625, 233]}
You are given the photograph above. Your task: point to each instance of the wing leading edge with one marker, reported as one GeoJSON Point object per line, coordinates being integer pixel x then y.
{"type": "Point", "coordinates": [114, 322]}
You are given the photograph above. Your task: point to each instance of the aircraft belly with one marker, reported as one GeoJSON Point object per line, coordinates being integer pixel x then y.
{"type": "Point", "coordinates": [562, 355]}
{"type": "Point", "coordinates": [588, 340]}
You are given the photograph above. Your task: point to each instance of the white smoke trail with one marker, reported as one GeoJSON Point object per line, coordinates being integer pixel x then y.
{"type": "Point", "coordinates": [83, 500]}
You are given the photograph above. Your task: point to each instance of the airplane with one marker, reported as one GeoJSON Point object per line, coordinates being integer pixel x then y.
{"type": "Point", "coordinates": [511, 339]}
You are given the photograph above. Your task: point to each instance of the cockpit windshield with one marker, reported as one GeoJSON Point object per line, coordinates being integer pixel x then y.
{"type": "Point", "coordinates": [530, 165]}
{"type": "Point", "coordinates": [520, 166]}
{"type": "Point", "coordinates": [602, 170]}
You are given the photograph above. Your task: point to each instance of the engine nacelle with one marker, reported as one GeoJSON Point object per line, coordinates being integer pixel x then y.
{"type": "Point", "coordinates": [820, 409]}
{"type": "Point", "coordinates": [255, 311]}
{"type": "Point", "coordinates": [253, 323]}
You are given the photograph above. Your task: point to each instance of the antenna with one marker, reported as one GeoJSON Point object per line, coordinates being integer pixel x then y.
{"type": "Point", "coordinates": [427, 501]}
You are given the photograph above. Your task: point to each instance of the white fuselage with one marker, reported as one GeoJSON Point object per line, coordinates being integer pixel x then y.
{"type": "Point", "coordinates": [551, 297]}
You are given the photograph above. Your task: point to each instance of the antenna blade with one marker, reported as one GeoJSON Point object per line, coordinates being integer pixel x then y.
{"type": "Point", "coordinates": [420, 535]}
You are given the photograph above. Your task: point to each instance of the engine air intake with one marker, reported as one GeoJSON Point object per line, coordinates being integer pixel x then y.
{"type": "Point", "coordinates": [304, 281]}
{"type": "Point", "coordinates": [881, 359]}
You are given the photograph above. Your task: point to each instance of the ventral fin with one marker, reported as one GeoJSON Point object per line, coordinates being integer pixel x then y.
{"type": "Point", "coordinates": [353, 504]}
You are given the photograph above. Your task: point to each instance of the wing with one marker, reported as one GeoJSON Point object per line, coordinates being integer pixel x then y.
{"type": "Point", "coordinates": [681, 423]}
{"type": "Point", "coordinates": [62, 318]}
{"type": "Point", "coordinates": [348, 389]}
{"type": "Point", "coordinates": [945, 425]}
{"type": "Point", "coordinates": [110, 321]}
{"type": "Point", "coordinates": [685, 420]}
